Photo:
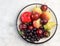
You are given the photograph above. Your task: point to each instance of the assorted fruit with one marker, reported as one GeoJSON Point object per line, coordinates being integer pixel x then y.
{"type": "Point", "coordinates": [35, 25]}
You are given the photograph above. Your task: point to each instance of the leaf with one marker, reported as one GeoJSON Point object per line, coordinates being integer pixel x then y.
{"type": "Point", "coordinates": [20, 32]}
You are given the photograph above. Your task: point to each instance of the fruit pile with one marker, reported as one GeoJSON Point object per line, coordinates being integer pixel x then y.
{"type": "Point", "coordinates": [35, 25]}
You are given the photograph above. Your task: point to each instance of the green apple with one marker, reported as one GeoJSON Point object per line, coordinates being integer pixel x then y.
{"type": "Point", "coordinates": [49, 25]}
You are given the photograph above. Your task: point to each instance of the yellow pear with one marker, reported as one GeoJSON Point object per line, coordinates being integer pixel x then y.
{"type": "Point", "coordinates": [37, 9]}
{"type": "Point", "coordinates": [46, 15]}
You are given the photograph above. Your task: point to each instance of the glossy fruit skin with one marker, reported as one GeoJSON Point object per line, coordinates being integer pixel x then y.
{"type": "Point", "coordinates": [30, 27]}
{"type": "Point", "coordinates": [44, 7]}
{"type": "Point", "coordinates": [31, 35]}
{"type": "Point", "coordinates": [25, 17]}
{"type": "Point", "coordinates": [49, 26]}
{"type": "Point", "coordinates": [39, 32]}
{"type": "Point", "coordinates": [37, 9]}
{"type": "Point", "coordinates": [34, 29]}
{"type": "Point", "coordinates": [44, 16]}
{"type": "Point", "coordinates": [44, 21]}
{"type": "Point", "coordinates": [35, 16]}
{"type": "Point", "coordinates": [46, 34]}
{"type": "Point", "coordinates": [22, 26]}
{"type": "Point", "coordinates": [36, 23]}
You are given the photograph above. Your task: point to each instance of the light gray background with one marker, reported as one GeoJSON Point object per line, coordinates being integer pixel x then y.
{"type": "Point", "coordinates": [9, 10]}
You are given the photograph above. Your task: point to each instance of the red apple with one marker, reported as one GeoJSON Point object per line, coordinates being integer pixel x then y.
{"type": "Point", "coordinates": [25, 17]}
{"type": "Point", "coordinates": [35, 16]}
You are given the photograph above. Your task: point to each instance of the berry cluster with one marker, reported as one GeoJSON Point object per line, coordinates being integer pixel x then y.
{"type": "Point", "coordinates": [33, 34]}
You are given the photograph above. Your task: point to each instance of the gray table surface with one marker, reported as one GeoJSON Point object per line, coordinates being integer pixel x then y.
{"type": "Point", "coordinates": [9, 10]}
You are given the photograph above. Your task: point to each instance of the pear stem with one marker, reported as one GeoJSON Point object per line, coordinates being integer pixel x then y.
{"type": "Point", "coordinates": [36, 5]}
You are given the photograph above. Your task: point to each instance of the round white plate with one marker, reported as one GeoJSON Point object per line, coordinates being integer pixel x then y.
{"type": "Point", "coordinates": [53, 19]}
